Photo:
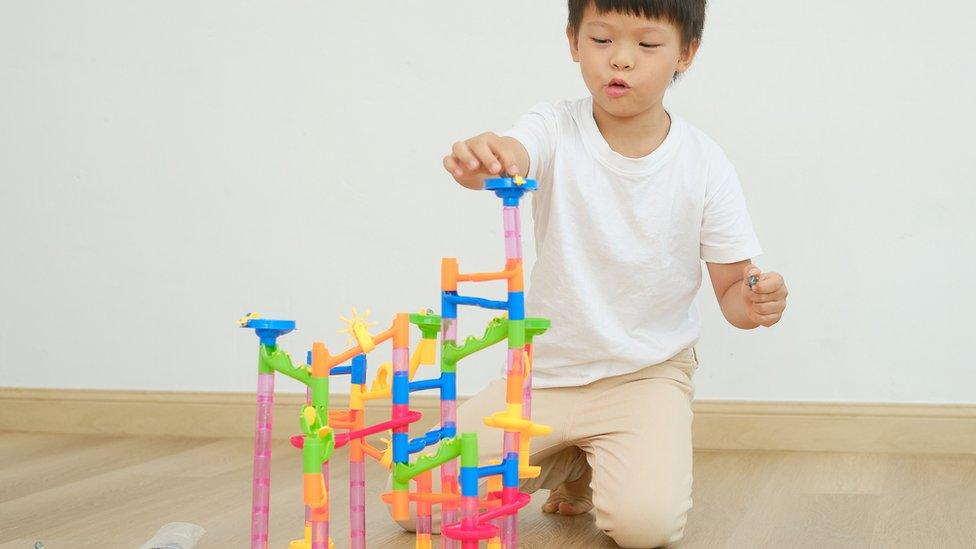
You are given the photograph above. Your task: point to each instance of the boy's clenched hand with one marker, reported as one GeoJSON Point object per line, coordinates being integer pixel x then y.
{"type": "Point", "coordinates": [485, 155]}
{"type": "Point", "coordinates": [764, 295]}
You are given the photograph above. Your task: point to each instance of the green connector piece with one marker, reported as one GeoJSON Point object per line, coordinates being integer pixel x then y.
{"type": "Point", "coordinates": [312, 449]}
{"type": "Point", "coordinates": [516, 334]}
{"type": "Point", "coordinates": [469, 449]}
{"type": "Point", "coordinates": [496, 331]}
{"type": "Point", "coordinates": [271, 359]}
{"type": "Point", "coordinates": [448, 449]}
{"type": "Point", "coordinates": [429, 324]}
{"type": "Point", "coordinates": [316, 449]}
{"type": "Point", "coordinates": [320, 392]}
{"type": "Point", "coordinates": [534, 327]}
{"type": "Point", "coordinates": [315, 452]}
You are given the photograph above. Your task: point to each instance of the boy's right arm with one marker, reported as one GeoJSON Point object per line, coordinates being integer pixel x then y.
{"type": "Point", "coordinates": [473, 160]}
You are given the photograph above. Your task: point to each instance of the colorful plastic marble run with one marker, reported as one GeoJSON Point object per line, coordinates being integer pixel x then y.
{"type": "Point", "coordinates": [466, 518]}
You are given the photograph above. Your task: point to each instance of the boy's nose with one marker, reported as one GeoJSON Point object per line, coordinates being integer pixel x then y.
{"type": "Point", "coordinates": [622, 62]}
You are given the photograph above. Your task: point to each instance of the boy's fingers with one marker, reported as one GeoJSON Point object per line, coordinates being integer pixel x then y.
{"type": "Point", "coordinates": [769, 283]}
{"type": "Point", "coordinates": [751, 275]}
{"type": "Point", "coordinates": [778, 295]}
{"type": "Point", "coordinates": [769, 307]}
{"type": "Point", "coordinates": [464, 155]}
{"type": "Point", "coordinates": [507, 162]}
{"type": "Point", "coordinates": [452, 167]}
{"type": "Point", "coordinates": [765, 320]}
{"type": "Point", "coordinates": [486, 156]}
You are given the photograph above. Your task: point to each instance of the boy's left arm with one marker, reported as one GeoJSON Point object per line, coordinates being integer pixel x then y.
{"type": "Point", "coordinates": [744, 306]}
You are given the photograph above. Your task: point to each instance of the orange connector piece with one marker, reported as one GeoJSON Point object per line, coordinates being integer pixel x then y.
{"type": "Point", "coordinates": [449, 274]}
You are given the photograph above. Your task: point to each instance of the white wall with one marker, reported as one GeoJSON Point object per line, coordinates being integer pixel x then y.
{"type": "Point", "coordinates": [166, 167]}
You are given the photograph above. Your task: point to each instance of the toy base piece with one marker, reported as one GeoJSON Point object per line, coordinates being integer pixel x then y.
{"type": "Point", "coordinates": [307, 542]}
{"type": "Point", "coordinates": [471, 533]}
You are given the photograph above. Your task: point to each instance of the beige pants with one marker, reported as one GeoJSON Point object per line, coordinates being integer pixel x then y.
{"type": "Point", "coordinates": [633, 431]}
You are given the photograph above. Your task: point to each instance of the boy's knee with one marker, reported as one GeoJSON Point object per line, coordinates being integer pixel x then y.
{"type": "Point", "coordinates": [655, 525]}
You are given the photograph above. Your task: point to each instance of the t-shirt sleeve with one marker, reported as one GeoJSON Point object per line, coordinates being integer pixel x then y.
{"type": "Point", "coordinates": [727, 235]}
{"type": "Point", "coordinates": [536, 130]}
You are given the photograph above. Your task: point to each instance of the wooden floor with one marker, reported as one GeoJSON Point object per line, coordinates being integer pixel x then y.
{"type": "Point", "coordinates": [73, 491]}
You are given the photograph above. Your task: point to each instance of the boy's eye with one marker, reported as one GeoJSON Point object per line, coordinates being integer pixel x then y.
{"type": "Point", "coordinates": [649, 46]}
{"type": "Point", "coordinates": [600, 40]}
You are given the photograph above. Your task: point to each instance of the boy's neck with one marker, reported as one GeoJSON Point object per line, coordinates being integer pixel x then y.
{"type": "Point", "coordinates": [635, 136]}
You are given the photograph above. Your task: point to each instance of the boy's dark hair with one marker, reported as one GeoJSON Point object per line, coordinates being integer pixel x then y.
{"type": "Point", "coordinates": [687, 15]}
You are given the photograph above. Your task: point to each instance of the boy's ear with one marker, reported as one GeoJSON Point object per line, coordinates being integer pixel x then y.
{"type": "Point", "coordinates": [688, 55]}
{"type": "Point", "coordinates": [573, 44]}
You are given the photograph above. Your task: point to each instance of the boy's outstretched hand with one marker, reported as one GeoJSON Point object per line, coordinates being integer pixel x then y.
{"type": "Point", "coordinates": [764, 295]}
{"type": "Point", "coordinates": [486, 155]}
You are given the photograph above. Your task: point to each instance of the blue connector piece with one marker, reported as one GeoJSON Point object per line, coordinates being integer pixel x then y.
{"type": "Point", "coordinates": [358, 368]}
{"type": "Point", "coordinates": [510, 189]}
{"type": "Point", "coordinates": [508, 469]}
{"type": "Point", "coordinates": [269, 329]}
{"type": "Point", "coordinates": [424, 384]}
{"type": "Point", "coordinates": [429, 438]}
{"type": "Point", "coordinates": [400, 444]}
{"type": "Point", "coordinates": [401, 388]}
{"type": "Point", "coordinates": [510, 476]}
{"type": "Point", "coordinates": [469, 481]}
{"type": "Point", "coordinates": [455, 299]}
{"type": "Point", "coordinates": [516, 306]}
{"type": "Point", "coordinates": [449, 386]}
{"type": "Point", "coordinates": [448, 307]}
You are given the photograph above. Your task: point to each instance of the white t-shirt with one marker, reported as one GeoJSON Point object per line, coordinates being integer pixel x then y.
{"type": "Point", "coordinates": [619, 242]}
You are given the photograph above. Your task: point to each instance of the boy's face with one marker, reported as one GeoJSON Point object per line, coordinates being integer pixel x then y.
{"type": "Point", "coordinates": [628, 61]}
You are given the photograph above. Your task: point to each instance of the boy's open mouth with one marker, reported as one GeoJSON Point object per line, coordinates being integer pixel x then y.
{"type": "Point", "coordinates": [617, 87]}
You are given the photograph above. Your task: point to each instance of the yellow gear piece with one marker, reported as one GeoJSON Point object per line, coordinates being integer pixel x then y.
{"type": "Point", "coordinates": [247, 318]}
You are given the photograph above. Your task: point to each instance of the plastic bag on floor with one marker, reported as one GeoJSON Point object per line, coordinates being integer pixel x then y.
{"type": "Point", "coordinates": [175, 535]}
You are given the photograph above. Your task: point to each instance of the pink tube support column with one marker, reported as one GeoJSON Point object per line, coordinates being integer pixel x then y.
{"type": "Point", "coordinates": [449, 469]}
{"type": "Point", "coordinates": [261, 481]}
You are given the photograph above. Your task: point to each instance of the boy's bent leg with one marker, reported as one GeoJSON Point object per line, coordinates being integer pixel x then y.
{"type": "Point", "coordinates": [641, 454]}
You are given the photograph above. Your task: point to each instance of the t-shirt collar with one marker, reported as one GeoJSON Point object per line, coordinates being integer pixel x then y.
{"type": "Point", "coordinates": [617, 162]}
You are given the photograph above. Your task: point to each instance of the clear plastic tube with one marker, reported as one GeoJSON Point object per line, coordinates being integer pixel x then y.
{"type": "Point", "coordinates": [325, 475]}
{"type": "Point", "coordinates": [357, 504]}
{"type": "Point", "coordinates": [320, 534]}
{"type": "Point", "coordinates": [513, 232]}
{"type": "Point", "coordinates": [261, 479]}
{"type": "Point", "coordinates": [449, 469]}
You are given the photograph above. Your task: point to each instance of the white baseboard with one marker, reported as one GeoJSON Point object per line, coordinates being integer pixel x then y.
{"type": "Point", "coordinates": [719, 425]}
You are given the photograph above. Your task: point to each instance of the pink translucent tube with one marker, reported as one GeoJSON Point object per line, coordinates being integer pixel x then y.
{"type": "Point", "coordinates": [469, 518]}
{"type": "Point", "coordinates": [515, 369]}
{"type": "Point", "coordinates": [424, 518]}
{"type": "Point", "coordinates": [325, 470]}
{"type": "Point", "coordinates": [261, 480]}
{"type": "Point", "coordinates": [510, 531]}
{"type": "Point", "coordinates": [512, 219]}
{"type": "Point", "coordinates": [449, 469]}
{"type": "Point", "coordinates": [320, 534]}
{"type": "Point", "coordinates": [513, 232]}
{"type": "Point", "coordinates": [527, 385]}
{"type": "Point", "coordinates": [357, 504]}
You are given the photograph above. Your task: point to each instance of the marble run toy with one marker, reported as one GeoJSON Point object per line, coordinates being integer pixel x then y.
{"type": "Point", "coordinates": [467, 519]}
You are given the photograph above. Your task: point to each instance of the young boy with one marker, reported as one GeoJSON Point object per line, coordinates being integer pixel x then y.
{"type": "Point", "coordinates": [631, 198]}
